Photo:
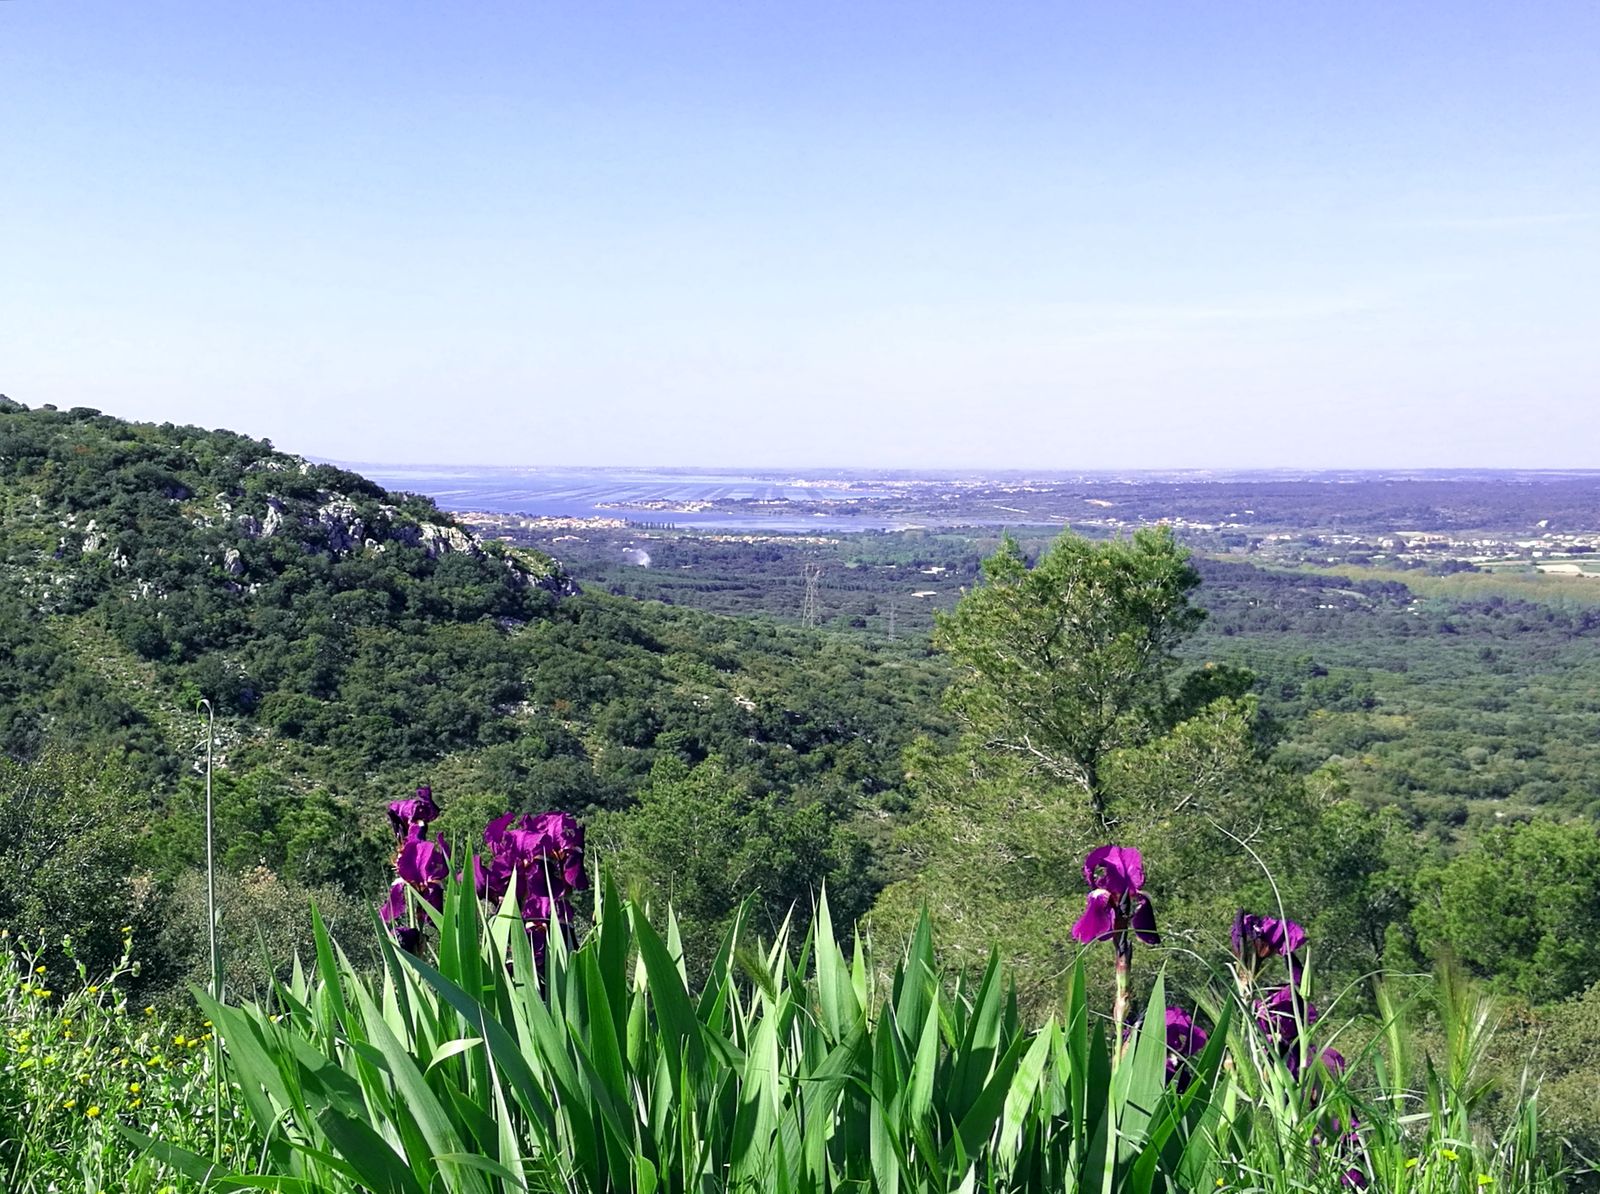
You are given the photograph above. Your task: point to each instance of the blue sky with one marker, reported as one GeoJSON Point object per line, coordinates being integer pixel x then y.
{"type": "Point", "coordinates": [1062, 235]}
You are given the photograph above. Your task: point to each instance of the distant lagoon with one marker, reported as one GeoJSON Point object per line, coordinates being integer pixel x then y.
{"type": "Point", "coordinates": [623, 493]}
{"type": "Point", "coordinates": [888, 501]}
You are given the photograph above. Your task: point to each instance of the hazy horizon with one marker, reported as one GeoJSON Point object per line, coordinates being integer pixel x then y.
{"type": "Point", "coordinates": [1039, 237]}
{"type": "Point", "coordinates": [939, 471]}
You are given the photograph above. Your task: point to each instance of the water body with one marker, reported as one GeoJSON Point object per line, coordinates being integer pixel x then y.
{"type": "Point", "coordinates": [886, 502]}
{"type": "Point", "coordinates": [627, 494]}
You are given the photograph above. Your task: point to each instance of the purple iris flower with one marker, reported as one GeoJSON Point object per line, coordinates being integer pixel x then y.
{"type": "Point", "coordinates": [409, 818]}
{"type": "Point", "coordinates": [545, 852]}
{"type": "Point", "coordinates": [1185, 1039]}
{"type": "Point", "coordinates": [1117, 904]}
{"type": "Point", "coordinates": [495, 831]}
{"type": "Point", "coordinates": [538, 932]}
{"type": "Point", "coordinates": [1282, 1015]}
{"type": "Point", "coordinates": [395, 914]}
{"type": "Point", "coordinates": [424, 866]}
{"type": "Point", "coordinates": [538, 908]}
{"type": "Point", "coordinates": [393, 908]}
{"type": "Point", "coordinates": [1257, 938]}
{"type": "Point", "coordinates": [563, 843]}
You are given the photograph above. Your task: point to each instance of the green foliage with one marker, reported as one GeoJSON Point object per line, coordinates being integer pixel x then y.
{"type": "Point", "coordinates": [1075, 719]}
{"type": "Point", "coordinates": [1460, 711]}
{"type": "Point", "coordinates": [265, 927]}
{"type": "Point", "coordinates": [1069, 660]}
{"type": "Point", "coordinates": [778, 1076]}
{"type": "Point", "coordinates": [78, 1061]}
{"type": "Point", "coordinates": [1521, 907]}
{"type": "Point", "coordinates": [700, 840]}
{"type": "Point", "coordinates": [1424, 1124]}
{"type": "Point", "coordinates": [1555, 1046]}
{"type": "Point", "coordinates": [793, 1070]}
{"type": "Point", "coordinates": [64, 826]}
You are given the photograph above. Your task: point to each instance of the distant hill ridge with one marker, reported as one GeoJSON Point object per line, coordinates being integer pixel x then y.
{"type": "Point", "coordinates": [91, 478]}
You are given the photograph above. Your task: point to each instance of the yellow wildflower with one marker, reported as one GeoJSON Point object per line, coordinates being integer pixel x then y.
{"type": "Point", "coordinates": [69, 1104]}
{"type": "Point", "coordinates": [93, 1112]}
{"type": "Point", "coordinates": [1411, 1162]}
{"type": "Point", "coordinates": [1449, 1154]}
{"type": "Point", "coordinates": [133, 1088]}
{"type": "Point", "coordinates": [38, 969]}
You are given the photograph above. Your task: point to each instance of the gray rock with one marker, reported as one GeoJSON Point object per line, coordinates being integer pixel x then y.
{"type": "Point", "coordinates": [438, 540]}
{"type": "Point", "coordinates": [343, 525]}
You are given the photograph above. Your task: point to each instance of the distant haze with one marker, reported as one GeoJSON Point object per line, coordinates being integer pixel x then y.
{"type": "Point", "coordinates": [1037, 236]}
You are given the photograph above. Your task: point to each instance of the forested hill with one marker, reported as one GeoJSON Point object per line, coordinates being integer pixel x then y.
{"type": "Point", "coordinates": [236, 571]}
{"type": "Point", "coordinates": [356, 642]}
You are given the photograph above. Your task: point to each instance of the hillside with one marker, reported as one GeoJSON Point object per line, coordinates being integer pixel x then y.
{"type": "Point", "coordinates": [356, 642]}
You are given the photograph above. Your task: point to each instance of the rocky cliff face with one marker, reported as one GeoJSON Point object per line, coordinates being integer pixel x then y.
{"type": "Point", "coordinates": [335, 524]}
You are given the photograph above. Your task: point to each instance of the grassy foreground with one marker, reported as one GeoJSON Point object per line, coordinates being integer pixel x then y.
{"type": "Point", "coordinates": [795, 1067]}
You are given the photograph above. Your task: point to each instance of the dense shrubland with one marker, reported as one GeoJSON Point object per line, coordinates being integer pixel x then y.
{"type": "Point", "coordinates": [946, 792]}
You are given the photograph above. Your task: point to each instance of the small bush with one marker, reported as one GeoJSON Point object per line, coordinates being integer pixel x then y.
{"type": "Point", "coordinates": [77, 1059]}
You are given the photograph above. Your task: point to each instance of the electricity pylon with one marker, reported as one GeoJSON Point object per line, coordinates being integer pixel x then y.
{"type": "Point", "coordinates": [810, 614]}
